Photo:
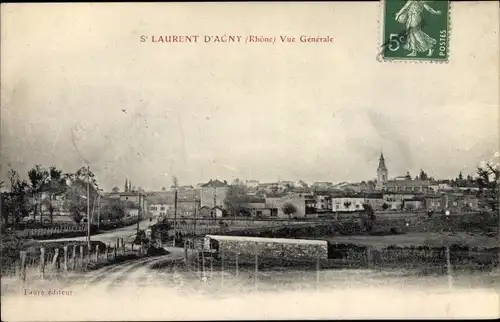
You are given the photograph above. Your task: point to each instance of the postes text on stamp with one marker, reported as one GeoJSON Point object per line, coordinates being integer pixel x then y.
{"type": "Point", "coordinates": [415, 30]}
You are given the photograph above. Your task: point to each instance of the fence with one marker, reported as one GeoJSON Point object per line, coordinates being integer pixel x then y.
{"type": "Point", "coordinates": [52, 232]}
{"type": "Point", "coordinates": [49, 262]}
{"type": "Point", "coordinates": [248, 271]}
{"type": "Point", "coordinates": [191, 226]}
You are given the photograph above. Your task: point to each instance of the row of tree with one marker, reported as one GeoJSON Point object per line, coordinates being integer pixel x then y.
{"type": "Point", "coordinates": [46, 187]}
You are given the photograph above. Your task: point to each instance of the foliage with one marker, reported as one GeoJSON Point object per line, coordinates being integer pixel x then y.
{"type": "Point", "coordinates": [236, 197]}
{"type": "Point", "coordinates": [423, 175]}
{"type": "Point", "coordinates": [16, 204]}
{"type": "Point", "coordinates": [38, 178]}
{"type": "Point", "coordinates": [175, 182]}
{"type": "Point", "coordinates": [55, 185]}
{"type": "Point", "coordinates": [76, 193]}
{"type": "Point", "coordinates": [289, 209]}
{"type": "Point", "coordinates": [367, 217]}
{"type": "Point", "coordinates": [385, 206]}
{"type": "Point", "coordinates": [488, 181]}
{"type": "Point", "coordinates": [115, 190]}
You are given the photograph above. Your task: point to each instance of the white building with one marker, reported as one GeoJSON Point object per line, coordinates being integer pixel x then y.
{"type": "Point", "coordinates": [340, 204]}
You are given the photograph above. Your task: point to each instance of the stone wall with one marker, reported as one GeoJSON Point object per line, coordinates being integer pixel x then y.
{"type": "Point", "coordinates": [247, 249]}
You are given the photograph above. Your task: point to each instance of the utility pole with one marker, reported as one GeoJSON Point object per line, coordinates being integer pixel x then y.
{"type": "Point", "coordinates": [139, 214]}
{"type": "Point", "coordinates": [195, 210]}
{"type": "Point", "coordinates": [98, 209]}
{"type": "Point", "coordinates": [88, 207]}
{"type": "Point", "coordinates": [175, 215]}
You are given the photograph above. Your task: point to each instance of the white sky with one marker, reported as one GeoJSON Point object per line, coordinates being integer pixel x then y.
{"type": "Point", "coordinates": [261, 111]}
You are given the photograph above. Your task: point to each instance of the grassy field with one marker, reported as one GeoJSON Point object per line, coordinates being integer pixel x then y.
{"type": "Point", "coordinates": [416, 239]}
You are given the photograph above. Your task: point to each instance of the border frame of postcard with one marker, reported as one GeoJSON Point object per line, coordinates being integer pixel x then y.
{"type": "Point", "coordinates": [381, 30]}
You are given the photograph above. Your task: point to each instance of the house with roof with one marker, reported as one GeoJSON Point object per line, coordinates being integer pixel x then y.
{"type": "Point", "coordinates": [252, 183]}
{"type": "Point", "coordinates": [213, 193]}
{"type": "Point", "coordinates": [212, 212]}
{"type": "Point", "coordinates": [347, 203]}
{"type": "Point", "coordinates": [395, 200]}
{"type": "Point", "coordinates": [375, 200]}
{"type": "Point", "coordinates": [415, 204]}
{"type": "Point", "coordinates": [321, 186]}
{"type": "Point", "coordinates": [259, 210]}
{"type": "Point", "coordinates": [304, 203]}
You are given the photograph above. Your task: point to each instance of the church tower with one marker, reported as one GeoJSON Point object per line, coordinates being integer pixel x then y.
{"type": "Point", "coordinates": [382, 173]}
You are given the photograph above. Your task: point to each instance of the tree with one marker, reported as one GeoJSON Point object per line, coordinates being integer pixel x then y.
{"type": "Point", "coordinates": [115, 190]}
{"type": "Point", "coordinates": [236, 197]}
{"type": "Point", "coordinates": [289, 209]}
{"type": "Point", "coordinates": [38, 178]}
{"type": "Point", "coordinates": [76, 193]}
{"type": "Point", "coordinates": [163, 189]}
{"type": "Point", "coordinates": [114, 210]}
{"type": "Point", "coordinates": [408, 176]}
{"type": "Point", "coordinates": [175, 182]}
{"type": "Point", "coordinates": [488, 181]}
{"type": "Point", "coordinates": [15, 204]}
{"type": "Point", "coordinates": [385, 206]}
{"type": "Point", "coordinates": [55, 185]}
{"type": "Point", "coordinates": [367, 217]}
{"type": "Point", "coordinates": [423, 175]}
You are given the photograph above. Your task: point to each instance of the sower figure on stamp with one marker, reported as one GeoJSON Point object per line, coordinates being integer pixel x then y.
{"type": "Point", "coordinates": [416, 39]}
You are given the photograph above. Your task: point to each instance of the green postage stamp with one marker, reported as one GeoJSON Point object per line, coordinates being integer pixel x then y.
{"type": "Point", "coordinates": [415, 30]}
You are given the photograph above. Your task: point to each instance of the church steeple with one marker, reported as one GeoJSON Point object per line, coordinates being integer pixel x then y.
{"type": "Point", "coordinates": [382, 172]}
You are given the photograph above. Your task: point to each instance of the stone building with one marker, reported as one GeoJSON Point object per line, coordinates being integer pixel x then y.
{"type": "Point", "coordinates": [213, 194]}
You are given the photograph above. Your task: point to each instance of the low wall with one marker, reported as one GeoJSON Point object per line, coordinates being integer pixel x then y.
{"type": "Point", "coordinates": [247, 249]}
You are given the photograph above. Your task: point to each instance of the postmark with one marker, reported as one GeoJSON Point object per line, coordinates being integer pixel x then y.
{"type": "Point", "coordinates": [415, 30]}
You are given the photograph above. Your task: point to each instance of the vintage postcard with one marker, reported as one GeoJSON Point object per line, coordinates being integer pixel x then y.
{"type": "Point", "coordinates": [250, 161]}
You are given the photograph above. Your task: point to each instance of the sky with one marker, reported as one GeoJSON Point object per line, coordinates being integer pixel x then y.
{"type": "Point", "coordinates": [79, 87]}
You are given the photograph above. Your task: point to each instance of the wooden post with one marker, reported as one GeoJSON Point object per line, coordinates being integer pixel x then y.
{"type": "Point", "coordinates": [42, 263]}
{"type": "Point", "coordinates": [96, 253]}
{"type": "Point", "coordinates": [256, 269]}
{"type": "Point", "coordinates": [211, 269]}
{"type": "Point", "coordinates": [237, 269]}
{"type": "Point", "coordinates": [449, 269]}
{"type": "Point", "coordinates": [106, 251]}
{"type": "Point", "coordinates": [56, 258]}
{"type": "Point", "coordinates": [369, 256]}
{"type": "Point", "coordinates": [198, 264]}
{"type": "Point", "coordinates": [317, 270]}
{"type": "Point", "coordinates": [23, 266]}
{"type": "Point", "coordinates": [89, 252]}
{"type": "Point", "coordinates": [222, 268]}
{"type": "Point", "coordinates": [186, 252]}
{"type": "Point", "coordinates": [203, 260]}
{"type": "Point", "coordinates": [115, 251]}
{"type": "Point", "coordinates": [73, 257]}
{"type": "Point", "coordinates": [123, 246]}
{"type": "Point", "coordinates": [81, 256]}
{"type": "Point", "coordinates": [65, 267]}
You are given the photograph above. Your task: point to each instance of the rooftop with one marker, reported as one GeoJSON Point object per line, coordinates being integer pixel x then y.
{"type": "Point", "coordinates": [215, 184]}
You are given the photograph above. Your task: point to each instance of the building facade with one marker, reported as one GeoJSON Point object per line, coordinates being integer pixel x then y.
{"type": "Point", "coordinates": [347, 204]}
{"type": "Point", "coordinates": [214, 193]}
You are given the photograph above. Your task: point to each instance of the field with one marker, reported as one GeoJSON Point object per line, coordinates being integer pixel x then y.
{"type": "Point", "coordinates": [415, 239]}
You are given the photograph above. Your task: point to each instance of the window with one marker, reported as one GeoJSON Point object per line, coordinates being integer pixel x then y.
{"type": "Point", "coordinates": [162, 208]}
